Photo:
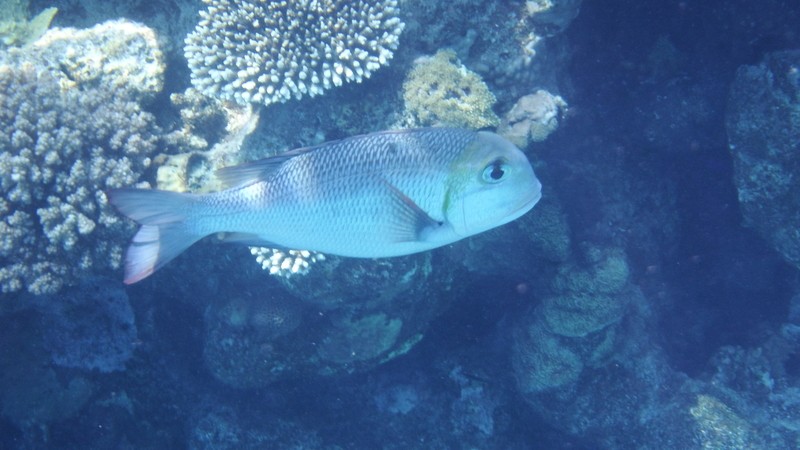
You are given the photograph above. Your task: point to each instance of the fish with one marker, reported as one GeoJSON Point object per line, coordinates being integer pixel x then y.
{"type": "Point", "coordinates": [377, 195]}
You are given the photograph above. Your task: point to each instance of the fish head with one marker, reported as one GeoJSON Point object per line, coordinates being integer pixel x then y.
{"type": "Point", "coordinates": [491, 184]}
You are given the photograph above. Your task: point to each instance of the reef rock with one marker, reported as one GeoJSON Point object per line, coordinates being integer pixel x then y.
{"type": "Point", "coordinates": [763, 124]}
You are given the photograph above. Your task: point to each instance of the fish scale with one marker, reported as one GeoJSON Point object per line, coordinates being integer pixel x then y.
{"type": "Point", "coordinates": [376, 195]}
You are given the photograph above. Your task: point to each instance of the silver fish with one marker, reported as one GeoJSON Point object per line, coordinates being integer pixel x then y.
{"type": "Point", "coordinates": [371, 196]}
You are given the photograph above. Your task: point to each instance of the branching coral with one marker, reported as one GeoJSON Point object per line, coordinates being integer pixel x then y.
{"type": "Point", "coordinates": [71, 126]}
{"type": "Point", "coordinates": [258, 51]}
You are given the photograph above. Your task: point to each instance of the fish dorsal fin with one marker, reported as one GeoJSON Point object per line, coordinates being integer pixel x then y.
{"type": "Point", "coordinates": [259, 170]}
{"type": "Point", "coordinates": [410, 223]}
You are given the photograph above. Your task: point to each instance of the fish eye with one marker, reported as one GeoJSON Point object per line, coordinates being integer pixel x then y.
{"type": "Point", "coordinates": [495, 172]}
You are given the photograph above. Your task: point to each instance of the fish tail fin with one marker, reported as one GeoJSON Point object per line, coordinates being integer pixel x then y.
{"type": "Point", "coordinates": [163, 234]}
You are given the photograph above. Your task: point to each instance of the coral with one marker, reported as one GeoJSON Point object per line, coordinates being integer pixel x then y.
{"type": "Point", "coordinates": [360, 339]}
{"type": "Point", "coordinates": [577, 314]}
{"type": "Point", "coordinates": [721, 428]}
{"type": "Point", "coordinates": [548, 230]}
{"type": "Point", "coordinates": [118, 55]}
{"type": "Point", "coordinates": [221, 427]}
{"type": "Point", "coordinates": [205, 121]}
{"type": "Point", "coordinates": [271, 51]}
{"type": "Point", "coordinates": [541, 361]}
{"type": "Point", "coordinates": [16, 29]}
{"type": "Point", "coordinates": [285, 263]}
{"type": "Point", "coordinates": [608, 272]}
{"type": "Point", "coordinates": [440, 90]}
{"type": "Point", "coordinates": [90, 326]}
{"type": "Point", "coordinates": [473, 412]}
{"type": "Point", "coordinates": [244, 337]}
{"type": "Point", "coordinates": [586, 301]}
{"type": "Point", "coordinates": [32, 394]}
{"type": "Point", "coordinates": [71, 126]}
{"type": "Point", "coordinates": [763, 122]}
{"type": "Point", "coordinates": [397, 399]}
{"type": "Point", "coordinates": [365, 312]}
{"type": "Point", "coordinates": [552, 16]}
{"type": "Point", "coordinates": [532, 118]}
{"type": "Point", "coordinates": [571, 328]}
{"type": "Point", "coordinates": [509, 44]}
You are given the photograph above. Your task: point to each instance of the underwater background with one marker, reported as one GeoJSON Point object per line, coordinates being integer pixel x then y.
{"type": "Point", "coordinates": [650, 300]}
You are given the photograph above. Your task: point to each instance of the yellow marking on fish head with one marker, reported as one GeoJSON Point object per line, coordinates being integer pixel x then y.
{"type": "Point", "coordinates": [490, 184]}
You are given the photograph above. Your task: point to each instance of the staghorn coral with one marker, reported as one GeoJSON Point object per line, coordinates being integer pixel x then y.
{"type": "Point", "coordinates": [439, 90]}
{"type": "Point", "coordinates": [71, 126]}
{"type": "Point", "coordinates": [258, 51]}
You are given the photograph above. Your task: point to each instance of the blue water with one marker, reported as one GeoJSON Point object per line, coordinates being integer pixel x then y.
{"type": "Point", "coordinates": [650, 300]}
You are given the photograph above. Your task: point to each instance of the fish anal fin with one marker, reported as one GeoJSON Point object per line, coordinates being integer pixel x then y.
{"type": "Point", "coordinates": [250, 239]}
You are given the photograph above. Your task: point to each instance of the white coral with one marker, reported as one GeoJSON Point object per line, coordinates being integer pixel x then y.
{"type": "Point", "coordinates": [263, 51]}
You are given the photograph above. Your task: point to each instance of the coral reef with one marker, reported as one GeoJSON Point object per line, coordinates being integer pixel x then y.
{"type": "Point", "coordinates": [532, 118]}
{"type": "Point", "coordinates": [367, 313]}
{"type": "Point", "coordinates": [439, 90]}
{"type": "Point", "coordinates": [209, 138]}
{"type": "Point", "coordinates": [514, 46]}
{"type": "Point", "coordinates": [285, 263]}
{"type": "Point", "coordinates": [542, 361]}
{"type": "Point", "coordinates": [763, 122]}
{"type": "Point", "coordinates": [71, 126]}
{"type": "Point", "coordinates": [721, 428]}
{"type": "Point", "coordinates": [32, 395]}
{"type": "Point", "coordinates": [256, 51]}
{"type": "Point", "coordinates": [16, 29]}
{"type": "Point", "coordinates": [89, 326]}
{"type": "Point", "coordinates": [572, 328]}
{"type": "Point", "coordinates": [360, 339]}
{"type": "Point", "coordinates": [225, 428]}
{"type": "Point", "coordinates": [246, 338]}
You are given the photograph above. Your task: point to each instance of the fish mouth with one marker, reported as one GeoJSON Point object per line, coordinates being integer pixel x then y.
{"type": "Point", "coordinates": [527, 204]}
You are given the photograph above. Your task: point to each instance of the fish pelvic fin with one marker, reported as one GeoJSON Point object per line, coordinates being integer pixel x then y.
{"type": "Point", "coordinates": [163, 234]}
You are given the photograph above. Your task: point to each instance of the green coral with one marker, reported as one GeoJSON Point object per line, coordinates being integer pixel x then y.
{"type": "Point", "coordinates": [587, 300]}
{"type": "Point", "coordinates": [541, 361]}
{"type": "Point", "coordinates": [16, 29]}
{"type": "Point", "coordinates": [548, 230]}
{"type": "Point", "coordinates": [571, 328]}
{"type": "Point", "coordinates": [607, 273]}
{"type": "Point", "coordinates": [578, 314]}
{"type": "Point", "coordinates": [440, 90]}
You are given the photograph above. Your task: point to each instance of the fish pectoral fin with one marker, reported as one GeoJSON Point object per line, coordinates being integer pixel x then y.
{"type": "Point", "coordinates": [409, 222]}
